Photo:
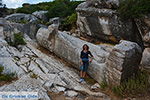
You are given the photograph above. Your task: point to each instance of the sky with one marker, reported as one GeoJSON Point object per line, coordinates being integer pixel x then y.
{"type": "Point", "coordinates": [18, 3]}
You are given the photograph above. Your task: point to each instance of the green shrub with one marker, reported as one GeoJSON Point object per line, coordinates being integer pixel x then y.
{"type": "Point", "coordinates": [69, 22]}
{"type": "Point", "coordinates": [1, 69]}
{"type": "Point", "coordinates": [18, 40]}
{"type": "Point", "coordinates": [134, 8]}
{"type": "Point", "coordinates": [33, 75]}
{"type": "Point", "coordinates": [65, 9]}
{"type": "Point", "coordinates": [103, 85]}
{"type": "Point", "coordinates": [133, 86]}
{"type": "Point", "coordinates": [62, 8]}
{"type": "Point", "coordinates": [6, 77]}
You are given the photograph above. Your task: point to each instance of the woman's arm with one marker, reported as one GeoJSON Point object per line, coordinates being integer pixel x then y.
{"type": "Point", "coordinates": [92, 57]}
{"type": "Point", "coordinates": [81, 58]}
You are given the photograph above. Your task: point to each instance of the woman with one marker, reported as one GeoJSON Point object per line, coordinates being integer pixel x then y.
{"type": "Point", "coordinates": [85, 53]}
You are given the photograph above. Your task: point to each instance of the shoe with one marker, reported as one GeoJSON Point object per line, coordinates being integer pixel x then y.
{"type": "Point", "coordinates": [81, 80]}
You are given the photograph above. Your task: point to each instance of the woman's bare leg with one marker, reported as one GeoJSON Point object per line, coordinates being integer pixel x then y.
{"type": "Point", "coordinates": [81, 74]}
{"type": "Point", "coordinates": [84, 74]}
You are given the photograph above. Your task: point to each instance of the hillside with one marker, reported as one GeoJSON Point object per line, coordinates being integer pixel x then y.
{"type": "Point", "coordinates": [65, 9]}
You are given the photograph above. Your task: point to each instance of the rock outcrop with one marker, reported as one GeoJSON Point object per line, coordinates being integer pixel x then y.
{"type": "Point", "coordinates": [39, 71]}
{"type": "Point", "coordinates": [145, 63]}
{"type": "Point", "coordinates": [41, 15]}
{"type": "Point", "coordinates": [144, 28]}
{"type": "Point", "coordinates": [69, 48]}
{"type": "Point", "coordinates": [29, 85]}
{"type": "Point", "coordinates": [20, 17]}
{"type": "Point", "coordinates": [9, 29]}
{"type": "Point", "coordinates": [109, 62]}
{"type": "Point", "coordinates": [97, 20]}
{"type": "Point", "coordinates": [30, 26]}
{"type": "Point", "coordinates": [123, 62]}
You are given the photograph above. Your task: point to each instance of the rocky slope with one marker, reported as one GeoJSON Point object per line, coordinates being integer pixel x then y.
{"type": "Point", "coordinates": [105, 65]}
{"type": "Point", "coordinates": [44, 71]}
{"type": "Point", "coordinates": [40, 72]}
{"type": "Point", "coordinates": [99, 19]}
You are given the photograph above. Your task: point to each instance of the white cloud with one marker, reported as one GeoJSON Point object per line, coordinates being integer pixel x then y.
{"type": "Point", "coordinates": [18, 3]}
{"type": "Point", "coordinates": [13, 3]}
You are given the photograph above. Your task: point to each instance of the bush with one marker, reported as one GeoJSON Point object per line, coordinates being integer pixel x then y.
{"type": "Point", "coordinates": [134, 8]}
{"type": "Point", "coordinates": [6, 77]}
{"type": "Point", "coordinates": [18, 40]}
{"type": "Point", "coordinates": [1, 69]}
{"type": "Point", "coordinates": [69, 22]}
{"type": "Point", "coordinates": [62, 8]}
{"type": "Point", "coordinates": [103, 85]}
{"type": "Point", "coordinates": [33, 75]}
{"type": "Point", "coordinates": [133, 86]}
{"type": "Point", "coordinates": [65, 9]}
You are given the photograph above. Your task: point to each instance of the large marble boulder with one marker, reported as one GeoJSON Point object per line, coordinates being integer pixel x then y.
{"type": "Point", "coordinates": [145, 63]}
{"type": "Point", "coordinates": [116, 64]}
{"type": "Point", "coordinates": [123, 62]}
{"type": "Point", "coordinates": [69, 48]}
{"type": "Point", "coordinates": [41, 15]}
{"type": "Point", "coordinates": [31, 28]}
{"type": "Point", "coordinates": [144, 27]}
{"type": "Point", "coordinates": [19, 17]}
{"type": "Point", "coordinates": [10, 28]}
{"type": "Point", "coordinates": [97, 20]}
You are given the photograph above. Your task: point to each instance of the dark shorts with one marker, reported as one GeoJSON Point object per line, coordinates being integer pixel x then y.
{"type": "Point", "coordinates": [85, 65]}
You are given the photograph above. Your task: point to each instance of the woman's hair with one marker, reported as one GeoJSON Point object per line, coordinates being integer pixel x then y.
{"type": "Point", "coordinates": [86, 46]}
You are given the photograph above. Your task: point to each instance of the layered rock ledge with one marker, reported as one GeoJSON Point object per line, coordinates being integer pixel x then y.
{"type": "Point", "coordinates": [110, 63]}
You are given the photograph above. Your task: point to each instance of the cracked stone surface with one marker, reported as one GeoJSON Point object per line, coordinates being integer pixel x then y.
{"type": "Point", "coordinates": [52, 75]}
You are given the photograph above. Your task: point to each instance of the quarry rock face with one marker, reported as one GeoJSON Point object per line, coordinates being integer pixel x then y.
{"type": "Point", "coordinates": [145, 63]}
{"type": "Point", "coordinates": [41, 15]}
{"type": "Point", "coordinates": [123, 62]}
{"type": "Point", "coordinates": [116, 64]}
{"type": "Point", "coordinates": [38, 71]}
{"type": "Point", "coordinates": [19, 17]}
{"type": "Point", "coordinates": [9, 29]}
{"type": "Point", "coordinates": [102, 22]}
{"type": "Point", "coordinates": [144, 27]}
{"type": "Point", "coordinates": [69, 48]}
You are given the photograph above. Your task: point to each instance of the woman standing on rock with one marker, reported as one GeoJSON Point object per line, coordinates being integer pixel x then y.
{"type": "Point", "coordinates": [85, 53]}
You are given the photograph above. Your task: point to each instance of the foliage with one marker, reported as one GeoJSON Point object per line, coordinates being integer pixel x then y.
{"type": "Point", "coordinates": [103, 85]}
{"type": "Point", "coordinates": [134, 8]}
{"type": "Point", "coordinates": [6, 77]}
{"type": "Point", "coordinates": [18, 39]}
{"type": "Point", "coordinates": [23, 21]}
{"type": "Point", "coordinates": [65, 9]}
{"type": "Point", "coordinates": [1, 69]}
{"type": "Point", "coordinates": [133, 86]}
{"type": "Point", "coordinates": [69, 22]}
{"type": "Point", "coordinates": [34, 7]}
{"type": "Point", "coordinates": [57, 8]}
{"type": "Point", "coordinates": [33, 75]}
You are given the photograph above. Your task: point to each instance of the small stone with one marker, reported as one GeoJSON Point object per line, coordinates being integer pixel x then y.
{"type": "Point", "coordinates": [71, 93]}
{"type": "Point", "coordinates": [95, 86]}
{"type": "Point", "coordinates": [60, 89]}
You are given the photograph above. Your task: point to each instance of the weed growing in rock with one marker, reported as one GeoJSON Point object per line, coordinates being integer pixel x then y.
{"type": "Point", "coordinates": [103, 84]}
{"type": "Point", "coordinates": [1, 69]}
{"type": "Point", "coordinates": [18, 40]}
{"type": "Point", "coordinates": [33, 75]}
{"type": "Point", "coordinates": [133, 86]}
{"type": "Point", "coordinates": [6, 77]}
